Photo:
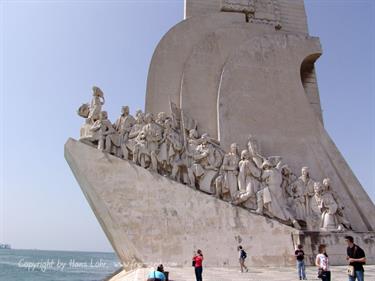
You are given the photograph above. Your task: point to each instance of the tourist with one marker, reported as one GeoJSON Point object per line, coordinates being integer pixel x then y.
{"type": "Point", "coordinates": [242, 256]}
{"type": "Point", "coordinates": [356, 258]}
{"type": "Point", "coordinates": [157, 275]}
{"type": "Point", "coordinates": [300, 257]}
{"type": "Point", "coordinates": [197, 263]}
{"type": "Point", "coordinates": [321, 262]}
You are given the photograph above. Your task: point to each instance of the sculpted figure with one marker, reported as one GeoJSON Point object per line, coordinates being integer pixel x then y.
{"type": "Point", "coordinates": [91, 114]}
{"type": "Point", "coordinates": [96, 104]}
{"type": "Point", "coordinates": [152, 134]}
{"type": "Point", "coordinates": [123, 126]}
{"type": "Point", "coordinates": [162, 156]}
{"type": "Point", "coordinates": [288, 179]}
{"type": "Point", "coordinates": [129, 145]}
{"type": "Point", "coordinates": [184, 161]}
{"type": "Point", "coordinates": [85, 133]}
{"type": "Point", "coordinates": [304, 187]}
{"type": "Point", "coordinates": [141, 155]}
{"type": "Point", "coordinates": [170, 150]}
{"type": "Point", "coordinates": [161, 117]}
{"type": "Point", "coordinates": [229, 173]}
{"type": "Point", "coordinates": [84, 110]}
{"type": "Point", "coordinates": [203, 160]}
{"type": "Point", "coordinates": [254, 150]}
{"type": "Point", "coordinates": [331, 203]}
{"type": "Point", "coordinates": [272, 196]}
{"type": "Point", "coordinates": [192, 144]}
{"type": "Point", "coordinates": [104, 133]}
{"type": "Point", "coordinates": [271, 179]}
{"type": "Point", "coordinates": [328, 208]}
{"type": "Point", "coordinates": [248, 179]}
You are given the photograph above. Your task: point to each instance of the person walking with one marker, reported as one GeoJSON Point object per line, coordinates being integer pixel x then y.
{"type": "Point", "coordinates": [242, 256]}
{"type": "Point", "coordinates": [300, 257]}
{"type": "Point", "coordinates": [321, 262]}
{"type": "Point", "coordinates": [356, 258]}
{"type": "Point", "coordinates": [197, 263]}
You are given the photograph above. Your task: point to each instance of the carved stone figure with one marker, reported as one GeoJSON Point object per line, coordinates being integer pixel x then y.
{"type": "Point", "coordinates": [288, 179]}
{"type": "Point", "coordinates": [259, 183]}
{"type": "Point", "coordinates": [123, 126]}
{"type": "Point", "coordinates": [170, 150]}
{"type": "Point", "coordinates": [148, 142]}
{"type": "Point", "coordinates": [303, 191]}
{"type": "Point", "coordinates": [248, 179]}
{"type": "Point", "coordinates": [254, 150]}
{"type": "Point", "coordinates": [141, 154]}
{"type": "Point", "coordinates": [328, 208]}
{"type": "Point", "coordinates": [203, 169]}
{"type": "Point", "coordinates": [272, 195]}
{"type": "Point", "coordinates": [96, 104]}
{"type": "Point", "coordinates": [341, 220]}
{"type": "Point", "coordinates": [229, 173]}
{"type": "Point", "coordinates": [104, 133]}
{"type": "Point", "coordinates": [91, 113]}
{"type": "Point", "coordinates": [84, 110]}
{"type": "Point", "coordinates": [161, 117]}
{"type": "Point", "coordinates": [128, 147]}
{"type": "Point", "coordinates": [272, 178]}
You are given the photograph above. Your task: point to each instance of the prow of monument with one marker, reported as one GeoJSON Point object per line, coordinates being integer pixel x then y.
{"type": "Point", "coordinates": [231, 148]}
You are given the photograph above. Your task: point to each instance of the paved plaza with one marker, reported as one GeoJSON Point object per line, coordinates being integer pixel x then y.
{"type": "Point", "coordinates": [254, 274]}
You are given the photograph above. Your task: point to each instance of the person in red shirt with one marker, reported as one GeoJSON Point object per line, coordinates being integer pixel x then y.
{"type": "Point", "coordinates": [197, 263]}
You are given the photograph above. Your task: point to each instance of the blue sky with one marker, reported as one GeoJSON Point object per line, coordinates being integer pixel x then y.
{"type": "Point", "coordinates": [52, 52]}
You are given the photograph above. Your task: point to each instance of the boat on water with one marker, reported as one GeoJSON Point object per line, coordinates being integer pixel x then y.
{"type": "Point", "coordinates": [5, 246]}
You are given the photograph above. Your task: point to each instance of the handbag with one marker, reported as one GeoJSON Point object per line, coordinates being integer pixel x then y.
{"type": "Point", "coordinates": [320, 273]}
{"type": "Point", "coordinates": [193, 263]}
{"type": "Point", "coordinates": [350, 270]}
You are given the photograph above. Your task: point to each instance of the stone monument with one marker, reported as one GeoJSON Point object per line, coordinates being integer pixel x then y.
{"type": "Point", "coordinates": [231, 148]}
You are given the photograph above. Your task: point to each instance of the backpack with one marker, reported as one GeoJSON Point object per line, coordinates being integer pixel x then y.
{"type": "Point", "coordinates": [243, 254]}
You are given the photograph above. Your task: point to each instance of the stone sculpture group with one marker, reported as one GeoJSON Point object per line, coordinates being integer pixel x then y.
{"type": "Point", "coordinates": [171, 146]}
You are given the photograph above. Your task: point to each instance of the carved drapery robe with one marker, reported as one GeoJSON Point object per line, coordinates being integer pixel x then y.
{"type": "Point", "coordinates": [247, 177]}
{"type": "Point", "coordinates": [273, 179]}
{"type": "Point", "coordinates": [230, 172]}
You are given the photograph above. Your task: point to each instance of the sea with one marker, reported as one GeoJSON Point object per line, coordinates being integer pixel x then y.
{"type": "Point", "coordinates": [40, 265]}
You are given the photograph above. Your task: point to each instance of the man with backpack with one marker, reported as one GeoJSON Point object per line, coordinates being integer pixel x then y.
{"type": "Point", "coordinates": [242, 256]}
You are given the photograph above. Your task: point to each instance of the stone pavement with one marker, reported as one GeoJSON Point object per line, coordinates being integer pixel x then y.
{"type": "Point", "coordinates": [338, 273]}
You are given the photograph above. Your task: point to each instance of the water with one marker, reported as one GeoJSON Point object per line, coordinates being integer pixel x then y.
{"type": "Point", "coordinates": [38, 265]}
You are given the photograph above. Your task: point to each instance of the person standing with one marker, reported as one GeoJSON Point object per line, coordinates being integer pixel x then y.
{"type": "Point", "coordinates": [300, 257]}
{"type": "Point", "coordinates": [356, 258]}
{"type": "Point", "coordinates": [321, 262]}
{"type": "Point", "coordinates": [242, 256]}
{"type": "Point", "coordinates": [197, 263]}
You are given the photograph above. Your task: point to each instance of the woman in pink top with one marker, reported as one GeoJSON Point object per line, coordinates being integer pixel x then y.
{"type": "Point", "coordinates": [321, 262]}
{"type": "Point", "coordinates": [197, 263]}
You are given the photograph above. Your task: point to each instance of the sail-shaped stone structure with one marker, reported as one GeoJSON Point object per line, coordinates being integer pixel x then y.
{"type": "Point", "coordinates": [239, 68]}
{"type": "Point", "coordinates": [238, 77]}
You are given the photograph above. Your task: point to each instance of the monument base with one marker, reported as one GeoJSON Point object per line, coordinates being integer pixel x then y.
{"type": "Point", "coordinates": [150, 219]}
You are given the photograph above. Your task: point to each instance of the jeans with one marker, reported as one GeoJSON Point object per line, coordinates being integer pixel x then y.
{"type": "Point", "coordinates": [301, 269]}
{"type": "Point", "coordinates": [326, 276]}
{"type": "Point", "coordinates": [359, 275]}
{"type": "Point", "coordinates": [198, 273]}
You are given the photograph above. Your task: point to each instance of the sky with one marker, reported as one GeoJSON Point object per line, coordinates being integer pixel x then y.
{"type": "Point", "coordinates": [53, 52]}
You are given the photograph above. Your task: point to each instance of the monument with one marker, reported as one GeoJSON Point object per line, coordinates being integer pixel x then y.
{"type": "Point", "coordinates": [231, 148]}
